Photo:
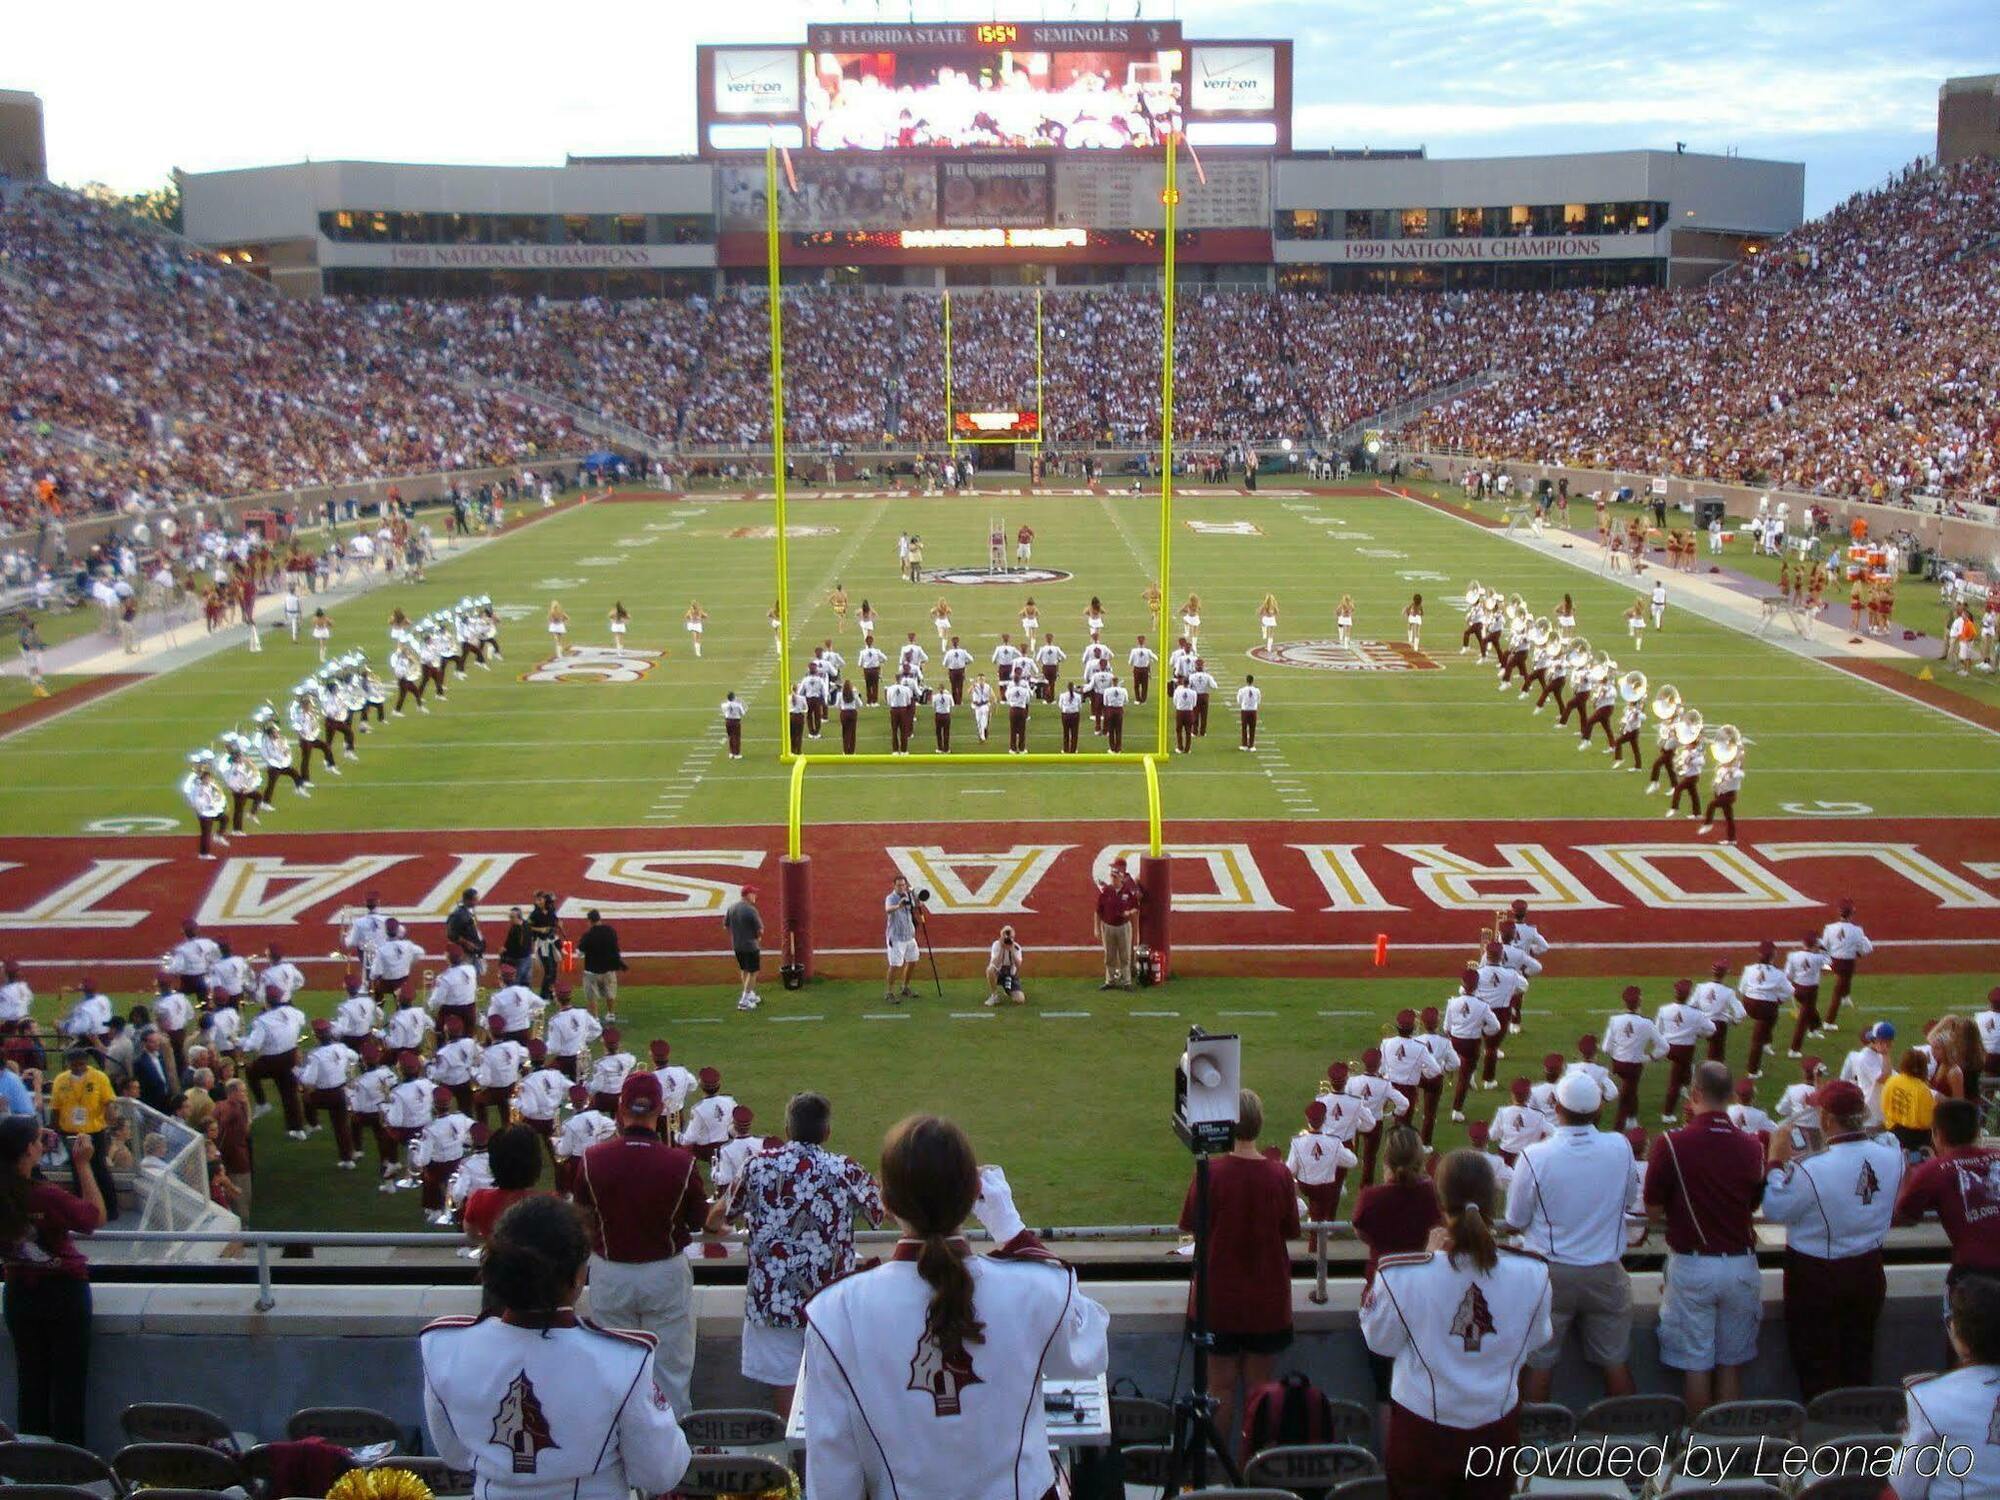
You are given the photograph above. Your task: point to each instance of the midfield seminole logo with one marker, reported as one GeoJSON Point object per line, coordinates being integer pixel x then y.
{"type": "Point", "coordinates": [1224, 528]}
{"type": "Point", "coordinates": [972, 576]}
{"type": "Point", "coordinates": [1361, 656]}
{"type": "Point", "coordinates": [595, 665]}
{"type": "Point", "coordinates": [770, 533]}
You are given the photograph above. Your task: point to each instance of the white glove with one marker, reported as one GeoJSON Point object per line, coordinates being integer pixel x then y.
{"type": "Point", "coordinates": [994, 1207]}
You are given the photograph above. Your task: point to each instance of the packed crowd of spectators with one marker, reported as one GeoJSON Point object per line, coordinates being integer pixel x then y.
{"type": "Point", "coordinates": [1859, 356]}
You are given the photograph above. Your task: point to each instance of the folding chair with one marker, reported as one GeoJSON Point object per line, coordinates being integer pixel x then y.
{"type": "Point", "coordinates": [1310, 1468]}
{"type": "Point", "coordinates": [1752, 1419]}
{"type": "Point", "coordinates": [56, 1463]}
{"type": "Point", "coordinates": [714, 1474]}
{"type": "Point", "coordinates": [733, 1427]}
{"type": "Point", "coordinates": [176, 1466]}
{"type": "Point", "coordinates": [349, 1426]}
{"type": "Point", "coordinates": [260, 1470]}
{"type": "Point", "coordinates": [174, 1422]}
{"type": "Point", "coordinates": [1634, 1416]}
{"type": "Point", "coordinates": [1544, 1422]}
{"type": "Point", "coordinates": [1134, 1419]}
{"type": "Point", "coordinates": [1856, 1408]}
{"type": "Point", "coordinates": [1350, 1422]}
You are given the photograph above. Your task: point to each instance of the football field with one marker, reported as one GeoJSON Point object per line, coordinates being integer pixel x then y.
{"type": "Point", "coordinates": [1394, 794]}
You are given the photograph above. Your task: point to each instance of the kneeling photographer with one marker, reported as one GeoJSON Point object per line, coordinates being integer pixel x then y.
{"type": "Point", "coordinates": [1003, 970]}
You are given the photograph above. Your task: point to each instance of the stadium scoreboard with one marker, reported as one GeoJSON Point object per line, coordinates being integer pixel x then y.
{"type": "Point", "coordinates": [1055, 88]}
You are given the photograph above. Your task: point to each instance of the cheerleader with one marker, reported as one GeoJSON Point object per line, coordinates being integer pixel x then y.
{"type": "Point", "coordinates": [941, 619]}
{"type": "Point", "coordinates": [1635, 624]}
{"type": "Point", "coordinates": [837, 602]}
{"type": "Point", "coordinates": [882, 1422]}
{"type": "Point", "coordinates": [1343, 619]}
{"type": "Point", "coordinates": [1457, 1319]}
{"type": "Point", "coordinates": [1267, 619]}
{"type": "Point", "coordinates": [777, 628]}
{"type": "Point", "coordinates": [532, 1378]}
{"type": "Point", "coordinates": [558, 626]}
{"type": "Point", "coordinates": [1031, 621]}
{"type": "Point", "coordinates": [1093, 617]}
{"type": "Point", "coordinates": [1191, 622]}
{"type": "Point", "coordinates": [620, 618]}
{"type": "Point", "coordinates": [1151, 598]}
{"type": "Point", "coordinates": [866, 622]}
{"type": "Point", "coordinates": [398, 620]}
{"type": "Point", "coordinates": [1566, 616]}
{"type": "Point", "coordinates": [694, 620]}
{"type": "Point", "coordinates": [1413, 621]}
{"type": "Point", "coordinates": [322, 631]}
{"type": "Point", "coordinates": [981, 700]}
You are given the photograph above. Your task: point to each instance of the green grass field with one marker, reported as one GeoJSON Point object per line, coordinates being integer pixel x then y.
{"type": "Point", "coordinates": [1076, 1108]}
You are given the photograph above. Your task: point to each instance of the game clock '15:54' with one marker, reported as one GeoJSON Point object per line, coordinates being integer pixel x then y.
{"type": "Point", "coordinates": [997, 35]}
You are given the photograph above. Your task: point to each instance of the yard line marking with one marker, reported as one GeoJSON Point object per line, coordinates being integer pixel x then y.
{"type": "Point", "coordinates": [1165, 1015]}
{"type": "Point", "coordinates": [982, 791]}
{"type": "Point", "coordinates": [973, 1015]}
{"type": "Point", "coordinates": [1363, 1012]}
{"type": "Point", "coordinates": [1073, 1015]}
{"type": "Point", "coordinates": [889, 1015]}
{"type": "Point", "coordinates": [1246, 1013]}
{"type": "Point", "coordinates": [696, 1020]}
{"type": "Point", "coordinates": [793, 1020]}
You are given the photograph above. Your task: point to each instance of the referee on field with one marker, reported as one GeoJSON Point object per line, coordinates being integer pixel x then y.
{"type": "Point", "coordinates": [646, 1204]}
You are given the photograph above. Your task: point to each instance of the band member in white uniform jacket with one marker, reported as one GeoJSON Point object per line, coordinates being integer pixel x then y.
{"type": "Point", "coordinates": [924, 1374]}
{"type": "Point", "coordinates": [535, 1402]}
{"type": "Point", "coordinates": [1953, 1414]}
{"type": "Point", "coordinates": [1458, 1320]}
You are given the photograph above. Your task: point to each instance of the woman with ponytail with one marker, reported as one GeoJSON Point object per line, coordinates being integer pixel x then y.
{"type": "Point", "coordinates": [1458, 1319]}
{"type": "Point", "coordinates": [924, 1374]}
{"type": "Point", "coordinates": [535, 1402]}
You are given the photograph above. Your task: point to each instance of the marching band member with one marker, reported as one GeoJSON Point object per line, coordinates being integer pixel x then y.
{"type": "Point", "coordinates": [812, 688]}
{"type": "Point", "coordinates": [1410, 1064]}
{"type": "Point", "coordinates": [367, 1097]}
{"type": "Point", "coordinates": [587, 1126]}
{"type": "Point", "coordinates": [1517, 1124]}
{"type": "Point", "coordinates": [1019, 696]}
{"type": "Point", "coordinates": [438, 1148]}
{"type": "Point", "coordinates": [1142, 658]}
{"type": "Point", "coordinates": [229, 977]}
{"type": "Point", "coordinates": [735, 1151]}
{"type": "Point", "coordinates": [957, 660]}
{"type": "Point", "coordinates": [911, 658]}
{"type": "Point", "coordinates": [541, 1094]}
{"type": "Point", "coordinates": [338, 717]}
{"type": "Point", "coordinates": [411, 1104]}
{"type": "Point", "coordinates": [1632, 1041]}
{"type": "Point", "coordinates": [454, 993]}
{"type": "Point", "coordinates": [676, 1082]}
{"type": "Point", "coordinates": [273, 1044]}
{"type": "Point", "coordinates": [1069, 708]}
{"type": "Point", "coordinates": [608, 1073]}
{"type": "Point", "coordinates": [278, 755]}
{"type": "Point", "coordinates": [1458, 1320]}
{"type": "Point", "coordinates": [357, 1015]}
{"type": "Point", "coordinates": [1953, 1413]}
{"type": "Point", "coordinates": [558, 626]}
{"type": "Point", "coordinates": [1514, 952]}
{"type": "Point", "coordinates": [1267, 619]}
{"type": "Point", "coordinates": [1204, 684]}
{"type": "Point", "coordinates": [306, 713]}
{"type": "Point", "coordinates": [986, 1331]}
{"type": "Point", "coordinates": [1720, 1004]}
{"type": "Point", "coordinates": [365, 933]}
{"type": "Point", "coordinates": [1469, 1021]}
{"type": "Point", "coordinates": [1727, 782]}
{"type": "Point", "coordinates": [570, 1032]}
{"type": "Point", "coordinates": [474, 1173]}
{"type": "Point", "coordinates": [1747, 1117]}
{"type": "Point", "coordinates": [1501, 985]}
{"type": "Point", "coordinates": [511, 1009]}
{"type": "Point", "coordinates": [1097, 681]}
{"type": "Point", "coordinates": [1542, 1095]}
{"type": "Point", "coordinates": [208, 799]}
{"type": "Point", "coordinates": [941, 707]}
{"type": "Point", "coordinates": [796, 711]}
{"type": "Point", "coordinates": [393, 959]}
{"type": "Point", "coordinates": [1804, 968]}
{"type": "Point", "coordinates": [871, 659]}
{"type": "Point", "coordinates": [732, 724]}
{"type": "Point", "coordinates": [1049, 657]}
{"type": "Point", "coordinates": [1113, 697]}
{"type": "Point", "coordinates": [1319, 1165]}
{"type": "Point", "coordinates": [1413, 622]}
{"type": "Point", "coordinates": [1680, 1026]}
{"type": "Point", "coordinates": [1795, 1104]}
{"type": "Point", "coordinates": [324, 1076]}
{"type": "Point", "coordinates": [411, 677]}
{"type": "Point", "coordinates": [1764, 989]}
{"type": "Point", "coordinates": [406, 1027]}
{"type": "Point", "coordinates": [1689, 761]}
{"type": "Point", "coordinates": [899, 698]}
{"type": "Point", "coordinates": [1385, 1102]}
{"type": "Point", "coordinates": [241, 776]}
{"type": "Point", "coordinates": [708, 1120]}
{"type": "Point", "coordinates": [1631, 720]}
{"type": "Point", "coordinates": [1599, 705]}
{"type": "Point", "coordinates": [467, 626]}
{"type": "Point", "coordinates": [1588, 1065]}
{"type": "Point", "coordinates": [500, 1069]}
{"type": "Point", "coordinates": [848, 706]}
{"type": "Point", "coordinates": [1439, 1046]}
{"type": "Point", "coordinates": [1184, 714]}
{"type": "Point", "coordinates": [191, 959]}
{"type": "Point", "coordinates": [1845, 942]}
{"type": "Point", "coordinates": [455, 1060]}
{"type": "Point", "coordinates": [90, 1018]}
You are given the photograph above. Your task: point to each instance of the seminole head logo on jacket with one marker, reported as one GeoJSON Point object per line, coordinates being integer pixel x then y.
{"type": "Point", "coordinates": [942, 1376]}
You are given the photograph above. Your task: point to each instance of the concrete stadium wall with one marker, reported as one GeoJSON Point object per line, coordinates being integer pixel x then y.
{"type": "Point", "coordinates": [356, 1346]}
{"type": "Point", "coordinates": [1968, 537]}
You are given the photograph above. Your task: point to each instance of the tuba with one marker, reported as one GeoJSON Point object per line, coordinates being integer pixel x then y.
{"type": "Point", "coordinates": [203, 795]}
{"type": "Point", "coordinates": [1578, 656]}
{"type": "Point", "coordinates": [305, 716]}
{"type": "Point", "coordinates": [1688, 727]}
{"type": "Point", "coordinates": [1632, 687]}
{"type": "Point", "coordinates": [353, 693]}
{"type": "Point", "coordinates": [1473, 594]}
{"type": "Point", "coordinates": [1540, 633]}
{"type": "Point", "coordinates": [409, 667]}
{"type": "Point", "coordinates": [1728, 745]}
{"type": "Point", "coordinates": [1667, 704]}
{"type": "Point", "coordinates": [239, 771]}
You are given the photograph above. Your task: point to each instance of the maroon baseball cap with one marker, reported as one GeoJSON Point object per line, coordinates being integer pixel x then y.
{"type": "Point", "coordinates": [1315, 1114]}
{"type": "Point", "coordinates": [1839, 1098]}
{"type": "Point", "coordinates": [441, 1097]}
{"type": "Point", "coordinates": [1630, 995]}
{"type": "Point", "coordinates": [659, 1049]}
{"type": "Point", "coordinates": [579, 1095]}
{"type": "Point", "coordinates": [1477, 1132]}
{"type": "Point", "coordinates": [1405, 1019]}
{"type": "Point", "coordinates": [641, 1094]}
{"type": "Point", "coordinates": [1336, 1074]}
{"type": "Point", "coordinates": [709, 1078]}
{"type": "Point", "coordinates": [741, 1117]}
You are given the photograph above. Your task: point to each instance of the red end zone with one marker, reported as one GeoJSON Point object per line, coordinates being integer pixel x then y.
{"type": "Point", "coordinates": [1264, 898]}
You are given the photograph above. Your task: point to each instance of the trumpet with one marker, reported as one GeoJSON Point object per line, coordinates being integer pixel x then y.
{"type": "Point", "coordinates": [1667, 703]}
{"type": "Point", "coordinates": [1728, 745]}
{"type": "Point", "coordinates": [1632, 687]}
{"type": "Point", "coordinates": [1688, 727]}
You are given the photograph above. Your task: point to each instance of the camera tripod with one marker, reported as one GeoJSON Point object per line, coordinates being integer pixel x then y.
{"type": "Point", "coordinates": [924, 934]}
{"type": "Point", "coordinates": [1195, 1433]}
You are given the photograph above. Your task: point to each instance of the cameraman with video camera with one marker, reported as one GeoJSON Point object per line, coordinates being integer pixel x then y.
{"type": "Point", "coordinates": [904, 908]}
{"type": "Point", "coordinates": [1003, 969]}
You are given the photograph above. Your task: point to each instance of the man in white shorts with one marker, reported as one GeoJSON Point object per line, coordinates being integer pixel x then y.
{"type": "Point", "coordinates": [901, 906]}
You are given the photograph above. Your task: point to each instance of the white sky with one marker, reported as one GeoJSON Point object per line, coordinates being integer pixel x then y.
{"type": "Point", "coordinates": [133, 90]}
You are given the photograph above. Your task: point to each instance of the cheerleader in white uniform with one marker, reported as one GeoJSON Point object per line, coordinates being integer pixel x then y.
{"type": "Point", "coordinates": [923, 1375]}
{"type": "Point", "coordinates": [866, 621]}
{"type": "Point", "coordinates": [695, 620]}
{"type": "Point", "coordinates": [1191, 622]}
{"type": "Point", "coordinates": [1413, 621]}
{"type": "Point", "coordinates": [1343, 619]}
{"type": "Point", "coordinates": [1267, 619]}
{"type": "Point", "coordinates": [941, 618]}
{"type": "Point", "coordinates": [621, 619]}
{"type": "Point", "coordinates": [777, 628]}
{"type": "Point", "coordinates": [322, 632]}
{"type": "Point", "coordinates": [534, 1401]}
{"type": "Point", "coordinates": [1635, 624]}
{"type": "Point", "coordinates": [558, 626]}
{"type": "Point", "coordinates": [1566, 616]}
{"type": "Point", "coordinates": [1031, 621]}
{"type": "Point", "coordinates": [1093, 618]}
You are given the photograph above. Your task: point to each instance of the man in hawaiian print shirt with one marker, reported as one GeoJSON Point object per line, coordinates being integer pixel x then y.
{"type": "Point", "coordinates": [799, 1202]}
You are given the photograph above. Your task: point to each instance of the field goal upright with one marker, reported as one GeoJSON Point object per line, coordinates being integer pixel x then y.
{"type": "Point", "coordinates": [795, 874]}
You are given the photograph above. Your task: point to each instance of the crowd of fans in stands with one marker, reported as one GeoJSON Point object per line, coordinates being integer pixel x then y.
{"type": "Point", "coordinates": [1858, 356]}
